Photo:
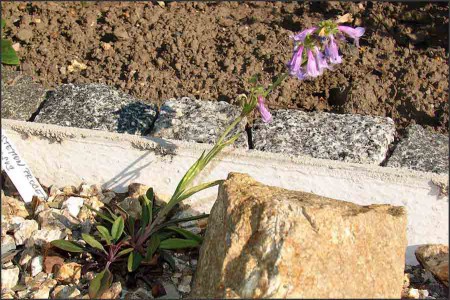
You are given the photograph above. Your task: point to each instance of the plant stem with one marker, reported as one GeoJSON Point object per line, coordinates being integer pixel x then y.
{"type": "Point", "coordinates": [150, 228]}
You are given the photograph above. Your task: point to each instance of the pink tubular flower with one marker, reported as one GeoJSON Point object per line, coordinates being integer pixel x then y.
{"type": "Point", "coordinates": [311, 68]}
{"type": "Point", "coordinates": [300, 37]}
{"type": "Point", "coordinates": [331, 51]}
{"type": "Point", "coordinates": [354, 33]}
{"type": "Point", "coordinates": [265, 113]}
{"type": "Point", "coordinates": [321, 61]}
{"type": "Point", "coordinates": [296, 62]}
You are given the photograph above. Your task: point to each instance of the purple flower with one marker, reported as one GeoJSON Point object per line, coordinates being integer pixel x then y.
{"type": "Point", "coordinates": [331, 51]}
{"type": "Point", "coordinates": [300, 37]}
{"type": "Point", "coordinates": [354, 33]}
{"type": "Point", "coordinates": [265, 113]}
{"type": "Point", "coordinates": [311, 68]}
{"type": "Point", "coordinates": [296, 61]}
{"type": "Point", "coordinates": [321, 61]}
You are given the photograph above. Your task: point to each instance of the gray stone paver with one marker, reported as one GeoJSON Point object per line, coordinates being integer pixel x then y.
{"type": "Point", "coordinates": [344, 137]}
{"type": "Point", "coordinates": [21, 96]}
{"type": "Point", "coordinates": [421, 150]}
{"type": "Point", "coordinates": [197, 121]}
{"type": "Point", "coordinates": [97, 106]}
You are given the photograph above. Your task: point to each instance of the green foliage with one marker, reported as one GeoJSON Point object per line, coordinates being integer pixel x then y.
{"type": "Point", "coordinates": [8, 53]}
{"type": "Point", "coordinates": [104, 232]}
{"type": "Point", "coordinates": [178, 244]}
{"type": "Point", "coordinates": [68, 246]}
{"type": "Point", "coordinates": [117, 228]}
{"type": "Point", "coordinates": [91, 241]}
{"type": "Point", "coordinates": [186, 234]}
{"type": "Point", "coordinates": [134, 259]}
{"type": "Point", "coordinates": [101, 282]}
{"type": "Point", "coordinates": [152, 246]}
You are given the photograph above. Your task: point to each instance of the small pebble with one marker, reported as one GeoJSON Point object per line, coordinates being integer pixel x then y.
{"type": "Point", "coordinates": [413, 293]}
{"type": "Point", "coordinates": [37, 265]}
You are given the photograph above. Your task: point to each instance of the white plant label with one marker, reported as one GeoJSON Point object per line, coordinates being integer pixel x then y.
{"type": "Point", "coordinates": [19, 172]}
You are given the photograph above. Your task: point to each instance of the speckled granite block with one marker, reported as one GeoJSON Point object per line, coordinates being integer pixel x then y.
{"type": "Point", "coordinates": [21, 96]}
{"type": "Point", "coordinates": [97, 106]}
{"type": "Point", "coordinates": [197, 121]}
{"type": "Point", "coordinates": [349, 138]}
{"type": "Point", "coordinates": [421, 150]}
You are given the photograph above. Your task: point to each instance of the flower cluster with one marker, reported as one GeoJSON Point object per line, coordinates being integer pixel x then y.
{"type": "Point", "coordinates": [317, 48]}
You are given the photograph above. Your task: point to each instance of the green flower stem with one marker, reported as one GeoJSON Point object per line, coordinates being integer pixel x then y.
{"type": "Point", "coordinates": [193, 171]}
{"type": "Point", "coordinates": [277, 82]}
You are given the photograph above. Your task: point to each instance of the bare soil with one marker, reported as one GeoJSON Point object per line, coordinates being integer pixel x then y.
{"type": "Point", "coordinates": [209, 50]}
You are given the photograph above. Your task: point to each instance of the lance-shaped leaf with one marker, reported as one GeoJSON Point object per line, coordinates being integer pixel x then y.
{"type": "Point", "coordinates": [104, 232]}
{"type": "Point", "coordinates": [100, 214]}
{"type": "Point", "coordinates": [92, 242]}
{"type": "Point", "coordinates": [152, 246]}
{"type": "Point", "coordinates": [117, 228]}
{"type": "Point", "coordinates": [147, 207]}
{"type": "Point", "coordinates": [164, 234]}
{"type": "Point", "coordinates": [68, 246]}
{"type": "Point", "coordinates": [134, 260]}
{"type": "Point", "coordinates": [123, 252]}
{"type": "Point", "coordinates": [172, 244]}
{"type": "Point", "coordinates": [100, 284]}
{"type": "Point", "coordinates": [9, 55]}
{"type": "Point", "coordinates": [198, 188]}
{"type": "Point", "coordinates": [181, 220]}
{"type": "Point", "coordinates": [186, 233]}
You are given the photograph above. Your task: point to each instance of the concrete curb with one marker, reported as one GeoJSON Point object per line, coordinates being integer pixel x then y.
{"type": "Point", "coordinates": [66, 155]}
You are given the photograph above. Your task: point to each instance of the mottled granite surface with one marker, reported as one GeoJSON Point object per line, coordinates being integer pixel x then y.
{"type": "Point", "coordinates": [97, 106]}
{"type": "Point", "coordinates": [21, 96]}
{"type": "Point", "coordinates": [344, 137]}
{"type": "Point", "coordinates": [421, 150]}
{"type": "Point", "coordinates": [197, 121]}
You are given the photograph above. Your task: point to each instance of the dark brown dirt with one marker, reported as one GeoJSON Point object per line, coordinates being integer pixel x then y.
{"type": "Point", "coordinates": [209, 50]}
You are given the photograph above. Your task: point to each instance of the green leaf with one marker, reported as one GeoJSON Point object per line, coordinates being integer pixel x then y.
{"type": "Point", "coordinates": [175, 243]}
{"type": "Point", "coordinates": [186, 233]}
{"type": "Point", "coordinates": [276, 83]}
{"type": "Point", "coordinates": [100, 214]}
{"type": "Point", "coordinates": [92, 242]}
{"type": "Point", "coordinates": [3, 23]}
{"type": "Point", "coordinates": [254, 79]}
{"type": "Point", "coordinates": [100, 284]}
{"type": "Point", "coordinates": [134, 260]}
{"type": "Point", "coordinates": [113, 215]}
{"type": "Point", "coordinates": [198, 188]}
{"type": "Point", "coordinates": [152, 247]}
{"type": "Point", "coordinates": [150, 196]}
{"type": "Point", "coordinates": [164, 234]}
{"type": "Point", "coordinates": [104, 232]}
{"type": "Point", "coordinates": [9, 56]}
{"type": "Point", "coordinates": [68, 246]}
{"type": "Point", "coordinates": [181, 220]}
{"type": "Point", "coordinates": [123, 252]}
{"type": "Point", "coordinates": [117, 228]}
{"type": "Point", "coordinates": [147, 207]}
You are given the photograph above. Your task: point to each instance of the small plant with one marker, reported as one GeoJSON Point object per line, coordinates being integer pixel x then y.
{"type": "Point", "coordinates": [141, 238]}
{"type": "Point", "coordinates": [9, 55]}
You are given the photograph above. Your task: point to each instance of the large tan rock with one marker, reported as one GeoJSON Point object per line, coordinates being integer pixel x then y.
{"type": "Point", "coordinates": [434, 258]}
{"type": "Point", "coordinates": [268, 242]}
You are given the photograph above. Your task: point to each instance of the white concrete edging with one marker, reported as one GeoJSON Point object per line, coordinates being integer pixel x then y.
{"type": "Point", "coordinates": [68, 156]}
